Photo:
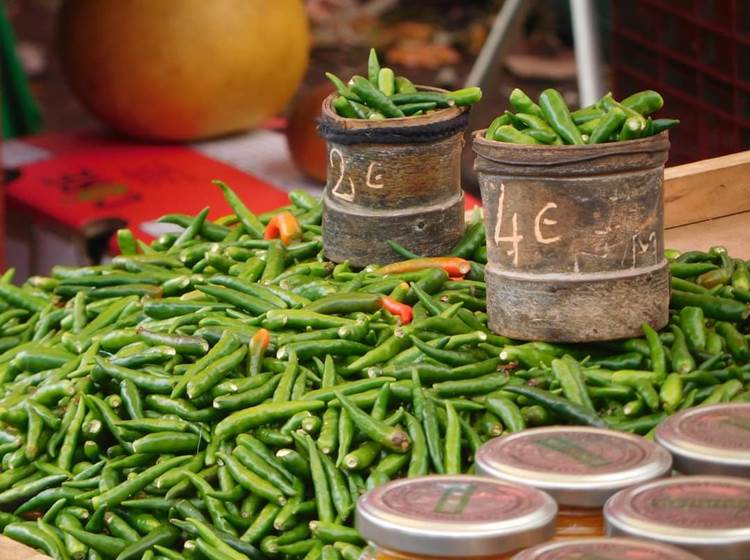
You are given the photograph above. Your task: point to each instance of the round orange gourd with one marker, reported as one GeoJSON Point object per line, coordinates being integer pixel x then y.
{"type": "Point", "coordinates": [184, 69]}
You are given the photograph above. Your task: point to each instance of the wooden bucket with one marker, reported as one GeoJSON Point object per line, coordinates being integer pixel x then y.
{"type": "Point", "coordinates": [393, 179]}
{"type": "Point", "coordinates": [575, 238]}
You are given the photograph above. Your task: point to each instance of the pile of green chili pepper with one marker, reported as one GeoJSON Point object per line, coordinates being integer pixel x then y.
{"type": "Point", "coordinates": [225, 392]}
{"type": "Point", "coordinates": [383, 95]}
{"type": "Point", "coordinates": [551, 122]}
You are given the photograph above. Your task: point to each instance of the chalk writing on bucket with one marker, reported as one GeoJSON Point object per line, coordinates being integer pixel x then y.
{"type": "Point", "coordinates": [540, 220]}
{"type": "Point", "coordinates": [608, 241]}
{"type": "Point", "coordinates": [344, 188]}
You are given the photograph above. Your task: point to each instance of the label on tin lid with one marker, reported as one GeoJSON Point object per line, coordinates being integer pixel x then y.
{"type": "Point", "coordinates": [691, 503]}
{"type": "Point", "coordinates": [604, 549]}
{"type": "Point", "coordinates": [722, 427]}
{"type": "Point", "coordinates": [571, 452]}
{"type": "Point", "coordinates": [457, 501]}
{"type": "Point", "coordinates": [707, 515]}
{"type": "Point", "coordinates": [579, 466]}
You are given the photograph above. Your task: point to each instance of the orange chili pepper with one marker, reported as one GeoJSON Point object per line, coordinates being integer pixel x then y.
{"type": "Point", "coordinates": [261, 339]}
{"type": "Point", "coordinates": [401, 310]}
{"type": "Point", "coordinates": [258, 346]}
{"type": "Point", "coordinates": [454, 266]}
{"type": "Point", "coordinates": [285, 226]}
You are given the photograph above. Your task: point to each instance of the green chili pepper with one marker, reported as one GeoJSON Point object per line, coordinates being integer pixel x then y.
{"type": "Point", "coordinates": [690, 269]}
{"type": "Point", "coordinates": [671, 393]}
{"type": "Point", "coordinates": [656, 352]}
{"type": "Point", "coordinates": [568, 373]}
{"type": "Point", "coordinates": [587, 114]}
{"type": "Point", "coordinates": [608, 125]}
{"type": "Point", "coordinates": [344, 108]}
{"type": "Point", "coordinates": [386, 81]}
{"type": "Point", "coordinates": [631, 129]}
{"type": "Point", "coordinates": [508, 412]}
{"type": "Point", "coordinates": [494, 125]}
{"type": "Point", "coordinates": [507, 133]}
{"type": "Point", "coordinates": [465, 96]}
{"type": "Point", "coordinates": [644, 102]}
{"type": "Point", "coordinates": [608, 103]}
{"type": "Point", "coordinates": [712, 306]}
{"type": "Point", "coordinates": [693, 326]}
{"type": "Point", "coordinates": [392, 438]}
{"type": "Point", "coordinates": [404, 85]}
{"type": "Point", "coordinates": [340, 496]}
{"type": "Point", "coordinates": [682, 360]}
{"type": "Point", "coordinates": [242, 420]}
{"type": "Point", "coordinates": [249, 221]}
{"type": "Point", "coordinates": [374, 98]}
{"type": "Point", "coordinates": [641, 425]}
{"type": "Point", "coordinates": [452, 441]}
{"type": "Point", "coordinates": [30, 534]}
{"type": "Point", "coordinates": [565, 408]}
{"type": "Point", "coordinates": [522, 103]}
{"type": "Point", "coordinates": [543, 137]}
{"type": "Point", "coordinates": [590, 126]}
{"type": "Point", "coordinates": [555, 111]}
{"type": "Point", "coordinates": [660, 125]}
{"type": "Point", "coordinates": [736, 342]}
{"type": "Point", "coordinates": [343, 90]}
{"type": "Point", "coordinates": [373, 67]}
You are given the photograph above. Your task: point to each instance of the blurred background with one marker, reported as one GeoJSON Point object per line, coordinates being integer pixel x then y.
{"type": "Point", "coordinates": [216, 70]}
{"type": "Point", "coordinates": [695, 52]}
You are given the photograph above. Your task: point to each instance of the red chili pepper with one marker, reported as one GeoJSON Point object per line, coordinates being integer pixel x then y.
{"type": "Point", "coordinates": [285, 226]}
{"type": "Point", "coordinates": [403, 311]}
{"type": "Point", "coordinates": [454, 266]}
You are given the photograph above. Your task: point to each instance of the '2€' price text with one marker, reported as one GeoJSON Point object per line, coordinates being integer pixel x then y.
{"type": "Point", "coordinates": [373, 180]}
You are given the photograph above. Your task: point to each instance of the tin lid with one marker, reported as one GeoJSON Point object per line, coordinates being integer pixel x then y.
{"type": "Point", "coordinates": [707, 515]}
{"type": "Point", "coordinates": [578, 466]}
{"type": "Point", "coordinates": [455, 516]}
{"type": "Point", "coordinates": [604, 549]}
{"type": "Point", "coordinates": [709, 439]}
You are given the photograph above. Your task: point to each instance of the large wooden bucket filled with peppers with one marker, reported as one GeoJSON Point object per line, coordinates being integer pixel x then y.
{"type": "Point", "coordinates": [575, 240]}
{"type": "Point", "coordinates": [395, 179]}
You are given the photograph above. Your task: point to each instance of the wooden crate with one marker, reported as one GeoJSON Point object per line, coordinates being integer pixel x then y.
{"type": "Point", "coordinates": [12, 550]}
{"type": "Point", "coordinates": [707, 203]}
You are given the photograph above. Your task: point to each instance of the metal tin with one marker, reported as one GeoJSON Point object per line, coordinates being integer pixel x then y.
{"type": "Point", "coordinates": [578, 466]}
{"type": "Point", "coordinates": [707, 515]}
{"type": "Point", "coordinates": [455, 516]}
{"type": "Point", "coordinates": [604, 549]}
{"type": "Point", "coordinates": [709, 439]}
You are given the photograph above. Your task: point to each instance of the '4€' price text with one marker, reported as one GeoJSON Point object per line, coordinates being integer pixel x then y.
{"type": "Point", "coordinates": [516, 238]}
{"type": "Point", "coordinates": [373, 179]}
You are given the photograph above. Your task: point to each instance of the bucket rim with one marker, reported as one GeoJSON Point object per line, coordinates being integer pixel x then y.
{"type": "Point", "coordinates": [544, 155]}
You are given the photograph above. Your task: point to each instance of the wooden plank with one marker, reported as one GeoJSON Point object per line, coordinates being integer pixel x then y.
{"type": "Point", "coordinates": [707, 189]}
{"type": "Point", "coordinates": [12, 550]}
{"type": "Point", "coordinates": [733, 232]}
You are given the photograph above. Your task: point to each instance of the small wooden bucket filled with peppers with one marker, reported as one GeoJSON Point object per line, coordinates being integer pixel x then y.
{"type": "Point", "coordinates": [575, 217]}
{"type": "Point", "coordinates": [394, 167]}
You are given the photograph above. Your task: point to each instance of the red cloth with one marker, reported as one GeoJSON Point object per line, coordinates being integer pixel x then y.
{"type": "Point", "coordinates": [93, 178]}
